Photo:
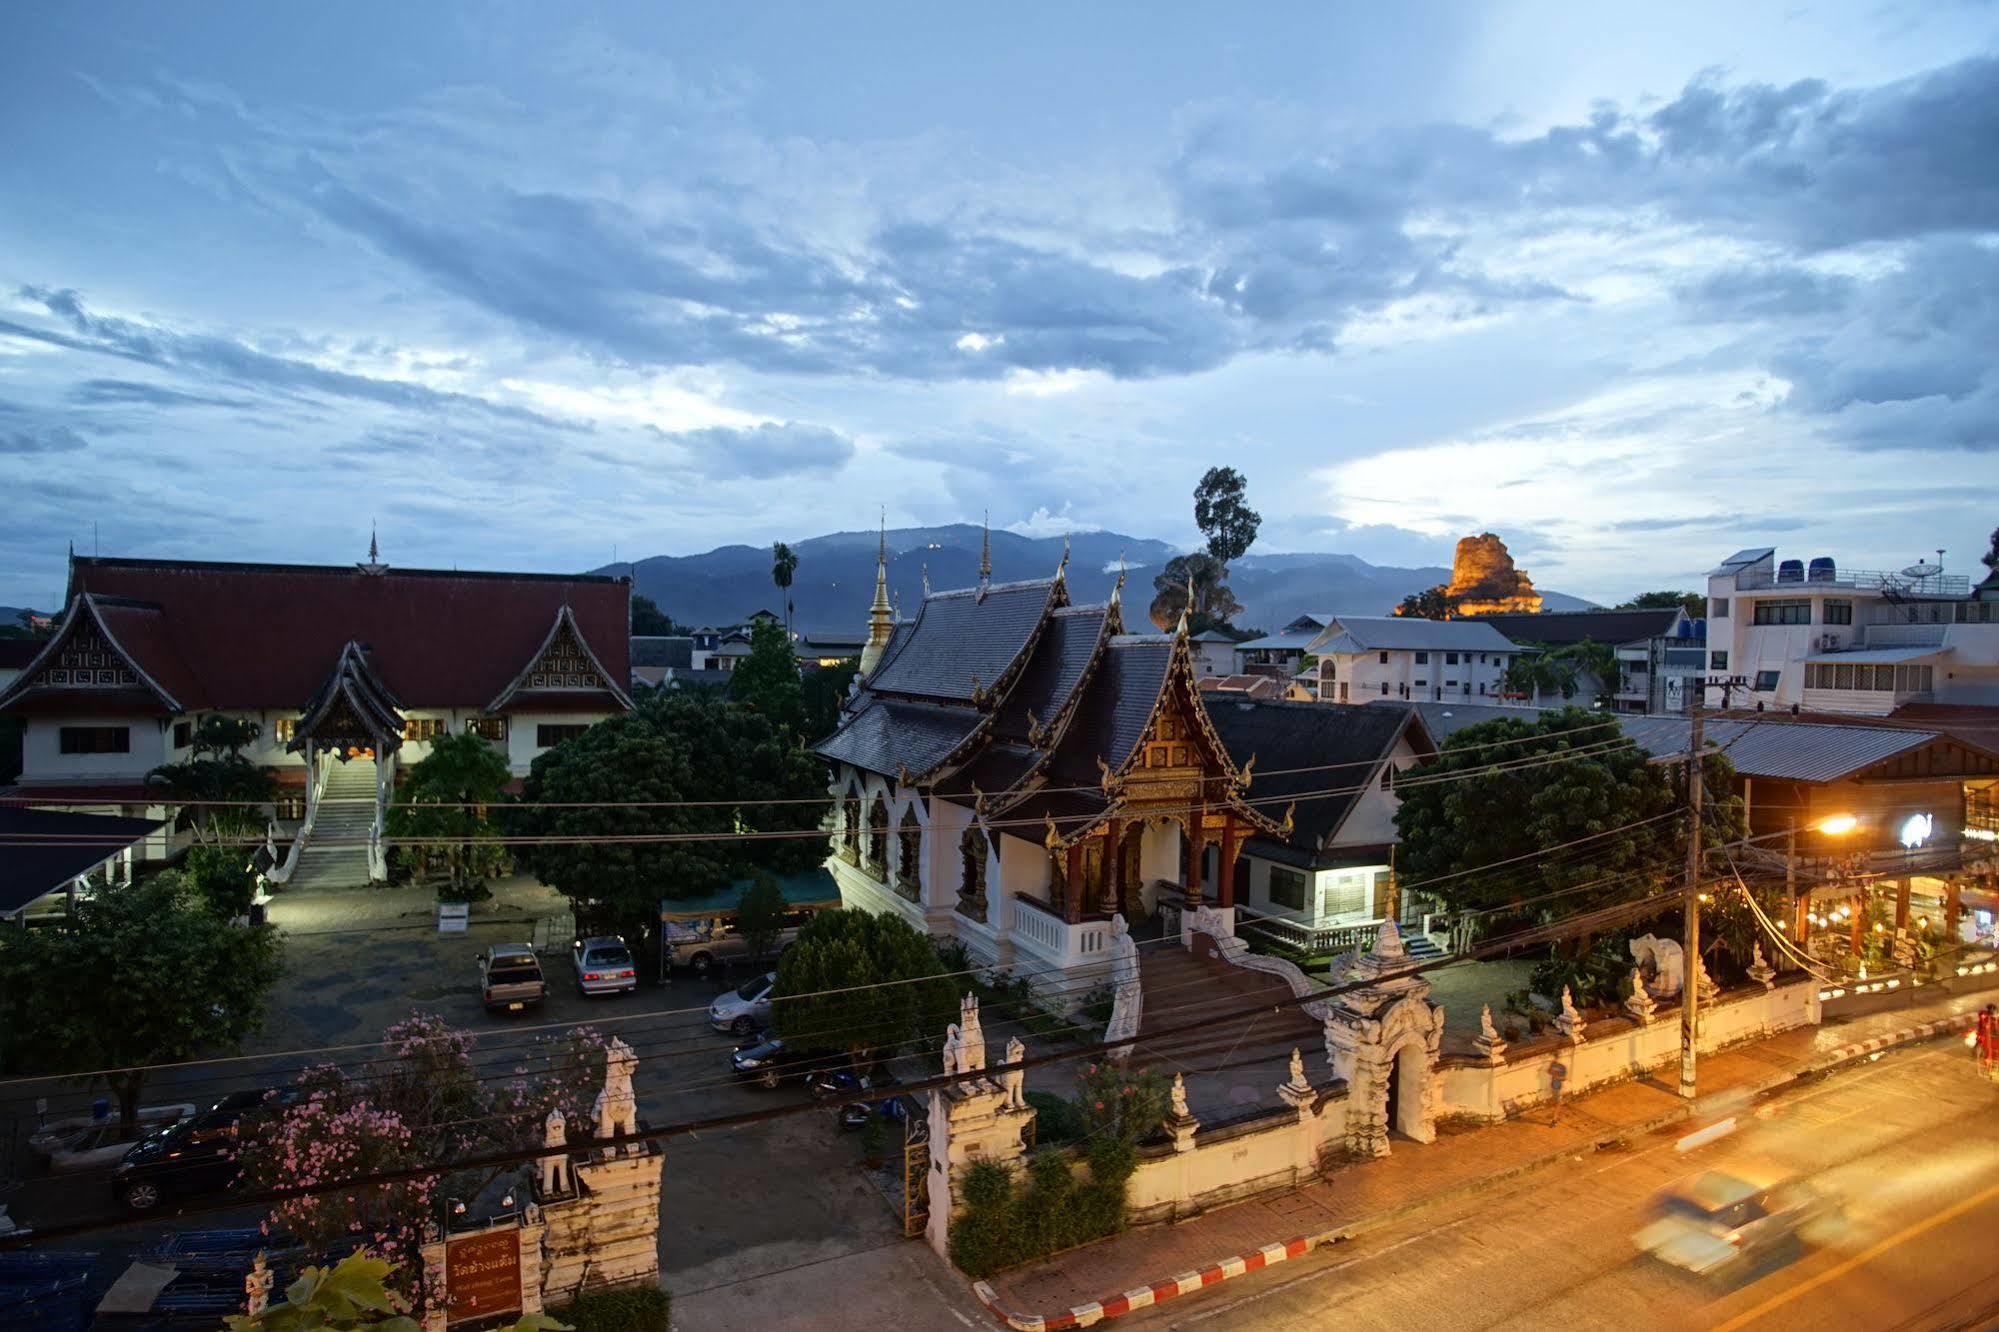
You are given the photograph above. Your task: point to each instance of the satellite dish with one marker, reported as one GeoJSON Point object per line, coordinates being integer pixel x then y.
{"type": "Point", "coordinates": [1922, 570]}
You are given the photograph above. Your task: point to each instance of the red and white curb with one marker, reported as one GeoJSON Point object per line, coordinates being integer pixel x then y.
{"type": "Point", "coordinates": [1143, 1297]}
{"type": "Point", "coordinates": [1857, 1049]}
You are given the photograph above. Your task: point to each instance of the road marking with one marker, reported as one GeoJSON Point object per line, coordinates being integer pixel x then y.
{"type": "Point", "coordinates": [1865, 1256]}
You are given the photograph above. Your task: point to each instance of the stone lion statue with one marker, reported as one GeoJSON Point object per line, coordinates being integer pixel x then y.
{"type": "Point", "coordinates": [1663, 963]}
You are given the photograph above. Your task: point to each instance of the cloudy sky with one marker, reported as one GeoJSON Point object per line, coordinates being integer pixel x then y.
{"type": "Point", "coordinates": [524, 285]}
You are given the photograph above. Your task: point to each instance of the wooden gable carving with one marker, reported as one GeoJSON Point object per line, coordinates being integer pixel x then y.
{"type": "Point", "coordinates": [564, 664]}
{"type": "Point", "coordinates": [86, 660]}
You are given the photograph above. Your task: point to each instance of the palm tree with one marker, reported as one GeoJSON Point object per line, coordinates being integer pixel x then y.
{"type": "Point", "coordinates": [783, 564]}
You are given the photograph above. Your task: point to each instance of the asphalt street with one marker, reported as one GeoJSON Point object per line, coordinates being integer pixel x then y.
{"type": "Point", "coordinates": [1909, 1144]}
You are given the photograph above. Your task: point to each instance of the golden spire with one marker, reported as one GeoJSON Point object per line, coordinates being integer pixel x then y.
{"type": "Point", "coordinates": [881, 615]}
{"type": "Point", "coordinates": [1062, 569]}
{"type": "Point", "coordinates": [986, 551]}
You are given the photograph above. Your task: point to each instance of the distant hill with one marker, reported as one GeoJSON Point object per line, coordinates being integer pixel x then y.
{"type": "Point", "coordinates": [12, 614]}
{"type": "Point", "coordinates": [836, 575]}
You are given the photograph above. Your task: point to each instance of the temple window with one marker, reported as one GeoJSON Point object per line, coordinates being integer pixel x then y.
{"type": "Point", "coordinates": [877, 859]}
{"type": "Point", "coordinates": [95, 739]}
{"type": "Point", "coordinates": [491, 728]}
{"type": "Point", "coordinates": [283, 729]}
{"type": "Point", "coordinates": [972, 884]}
{"type": "Point", "coordinates": [422, 728]}
{"type": "Point", "coordinates": [909, 857]}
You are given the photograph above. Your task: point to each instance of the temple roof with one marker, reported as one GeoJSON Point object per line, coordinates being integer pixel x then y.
{"type": "Point", "coordinates": [1320, 754]}
{"type": "Point", "coordinates": [963, 642]}
{"type": "Point", "coordinates": [892, 736]}
{"type": "Point", "coordinates": [1111, 719]}
{"type": "Point", "coordinates": [263, 636]}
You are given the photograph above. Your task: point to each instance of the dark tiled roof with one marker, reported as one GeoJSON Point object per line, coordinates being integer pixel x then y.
{"type": "Point", "coordinates": [1561, 628]}
{"type": "Point", "coordinates": [1282, 736]}
{"type": "Point", "coordinates": [43, 849]}
{"type": "Point", "coordinates": [263, 636]}
{"type": "Point", "coordinates": [1060, 660]}
{"type": "Point", "coordinates": [961, 640]}
{"type": "Point", "coordinates": [142, 633]}
{"type": "Point", "coordinates": [1072, 811]}
{"type": "Point", "coordinates": [884, 735]}
{"type": "Point", "coordinates": [996, 769]}
{"type": "Point", "coordinates": [662, 650]}
{"type": "Point", "coordinates": [1111, 717]}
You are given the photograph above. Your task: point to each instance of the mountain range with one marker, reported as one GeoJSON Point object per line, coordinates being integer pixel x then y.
{"type": "Point", "coordinates": [835, 579]}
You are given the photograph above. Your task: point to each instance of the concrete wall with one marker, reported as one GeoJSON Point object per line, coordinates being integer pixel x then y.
{"type": "Point", "coordinates": [42, 757]}
{"type": "Point", "coordinates": [1617, 1050]}
{"type": "Point", "coordinates": [1282, 1150]}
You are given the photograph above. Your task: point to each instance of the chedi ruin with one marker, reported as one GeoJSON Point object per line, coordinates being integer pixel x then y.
{"type": "Point", "coordinates": [1485, 582]}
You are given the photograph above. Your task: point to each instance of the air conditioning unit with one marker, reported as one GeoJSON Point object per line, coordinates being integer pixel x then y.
{"type": "Point", "coordinates": [1827, 643]}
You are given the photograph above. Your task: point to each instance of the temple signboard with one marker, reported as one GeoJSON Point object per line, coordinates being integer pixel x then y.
{"type": "Point", "coordinates": [482, 1275]}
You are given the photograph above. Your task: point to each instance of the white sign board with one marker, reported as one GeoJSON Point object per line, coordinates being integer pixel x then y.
{"type": "Point", "coordinates": [453, 917]}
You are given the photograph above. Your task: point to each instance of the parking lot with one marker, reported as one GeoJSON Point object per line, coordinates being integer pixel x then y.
{"type": "Point", "coordinates": [737, 1204]}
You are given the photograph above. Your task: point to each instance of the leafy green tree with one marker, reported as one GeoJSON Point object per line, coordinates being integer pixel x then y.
{"type": "Point", "coordinates": [1228, 523]}
{"type": "Point", "coordinates": [222, 877]}
{"type": "Point", "coordinates": [677, 746]}
{"type": "Point", "coordinates": [783, 564]}
{"type": "Point", "coordinates": [649, 621]}
{"type": "Point", "coordinates": [1563, 779]}
{"type": "Point", "coordinates": [1990, 559]}
{"type": "Point", "coordinates": [767, 679]}
{"type": "Point", "coordinates": [865, 985]}
{"type": "Point", "coordinates": [823, 693]}
{"type": "Point", "coordinates": [1214, 605]}
{"type": "Point", "coordinates": [219, 793]}
{"type": "Point", "coordinates": [137, 974]}
{"type": "Point", "coordinates": [1694, 603]}
{"type": "Point", "coordinates": [760, 914]}
{"type": "Point", "coordinates": [1560, 671]}
{"type": "Point", "coordinates": [439, 821]}
{"type": "Point", "coordinates": [351, 1295]}
{"type": "Point", "coordinates": [1432, 603]}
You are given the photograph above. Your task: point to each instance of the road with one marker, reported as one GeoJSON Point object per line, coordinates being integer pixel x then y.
{"type": "Point", "coordinates": [1910, 1143]}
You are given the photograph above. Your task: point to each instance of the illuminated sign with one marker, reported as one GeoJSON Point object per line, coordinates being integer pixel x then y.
{"type": "Point", "coordinates": [1916, 829]}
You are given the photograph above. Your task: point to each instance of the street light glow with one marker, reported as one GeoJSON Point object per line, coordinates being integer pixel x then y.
{"type": "Point", "coordinates": [1838, 825]}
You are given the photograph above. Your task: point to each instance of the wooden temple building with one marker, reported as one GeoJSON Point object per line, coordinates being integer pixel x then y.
{"type": "Point", "coordinates": [1014, 768]}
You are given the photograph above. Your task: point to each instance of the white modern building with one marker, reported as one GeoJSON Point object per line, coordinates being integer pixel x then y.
{"type": "Point", "coordinates": [1362, 657]}
{"type": "Point", "coordinates": [1818, 637]}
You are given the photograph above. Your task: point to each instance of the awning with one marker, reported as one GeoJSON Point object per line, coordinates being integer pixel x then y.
{"type": "Point", "coordinates": [44, 850]}
{"type": "Point", "coordinates": [812, 888]}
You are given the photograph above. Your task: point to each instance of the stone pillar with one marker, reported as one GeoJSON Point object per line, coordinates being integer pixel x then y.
{"type": "Point", "coordinates": [976, 1119]}
{"type": "Point", "coordinates": [533, 1231]}
{"type": "Point", "coordinates": [1072, 901]}
{"type": "Point", "coordinates": [1225, 876]}
{"type": "Point", "coordinates": [598, 1213]}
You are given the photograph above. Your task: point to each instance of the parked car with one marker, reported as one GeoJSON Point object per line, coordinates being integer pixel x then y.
{"type": "Point", "coordinates": [510, 978]}
{"type": "Point", "coordinates": [704, 943]}
{"type": "Point", "coordinates": [769, 1061]}
{"type": "Point", "coordinates": [194, 1156]}
{"type": "Point", "coordinates": [604, 966]}
{"type": "Point", "coordinates": [83, 1143]}
{"type": "Point", "coordinates": [745, 1008]}
{"type": "Point", "coordinates": [1717, 1223]}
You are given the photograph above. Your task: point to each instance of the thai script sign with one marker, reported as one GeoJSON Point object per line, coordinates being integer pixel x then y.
{"type": "Point", "coordinates": [482, 1275]}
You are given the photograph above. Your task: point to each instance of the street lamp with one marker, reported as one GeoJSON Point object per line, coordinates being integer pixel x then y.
{"type": "Point", "coordinates": [1838, 825]}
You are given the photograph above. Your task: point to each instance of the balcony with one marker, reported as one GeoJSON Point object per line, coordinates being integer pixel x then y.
{"type": "Point", "coordinates": [1045, 933]}
{"type": "Point", "coordinates": [1316, 941]}
{"type": "Point", "coordinates": [1865, 580]}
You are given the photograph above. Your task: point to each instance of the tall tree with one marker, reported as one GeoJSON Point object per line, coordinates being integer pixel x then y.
{"type": "Point", "coordinates": [1545, 822]}
{"type": "Point", "coordinates": [767, 679]}
{"type": "Point", "coordinates": [137, 974]}
{"type": "Point", "coordinates": [783, 564]}
{"type": "Point", "coordinates": [1694, 603]}
{"type": "Point", "coordinates": [649, 621]}
{"type": "Point", "coordinates": [866, 986]}
{"type": "Point", "coordinates": [440, 820]}
{"type": "Point", "coordinates": [824, 692]}
{"type": "Point", "coordinates": [1224, 518]}
{"type": "Point", "coordinates": [1990, 559]}
{"type": "Point", "coordinates": [1214, 605]}
{"type": "Point", "coordinates": [678, 746]}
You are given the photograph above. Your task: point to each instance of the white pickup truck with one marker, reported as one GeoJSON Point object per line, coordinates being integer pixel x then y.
{"type": "Point", "coordinates": [510, 978]}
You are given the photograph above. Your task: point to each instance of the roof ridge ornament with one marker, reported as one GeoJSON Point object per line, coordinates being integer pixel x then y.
{"type": "Point", "coordinates": [1052, 839]}
{"type": "Point", "coordinates": [986, 555]}
{"type": "Point", "coordinates": [926, 581]}
{"type": "Point", "coordinates": [1062, 569]}
{"type": "Point", "coordinates": [1248, 772]}
{"type": "Point", "coordinates": [374, 567]}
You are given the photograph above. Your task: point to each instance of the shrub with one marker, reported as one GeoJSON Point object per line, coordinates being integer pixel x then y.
{"type": "Point", "coordinates": [1055, 1118]}
{"type": "Point", "coordinates": [623, 1309]}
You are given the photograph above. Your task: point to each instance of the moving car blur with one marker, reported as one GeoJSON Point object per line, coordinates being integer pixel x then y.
{"type": "Point", "coordinates": [1720, 1223]}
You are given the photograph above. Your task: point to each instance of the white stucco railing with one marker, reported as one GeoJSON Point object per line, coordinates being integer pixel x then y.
{"type": "Point", "coordinates": [1033, 925]}
{"type": "Point", "coordinates": [317, 766]}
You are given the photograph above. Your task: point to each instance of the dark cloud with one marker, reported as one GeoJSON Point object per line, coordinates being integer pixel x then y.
{"type": "Point", "coordinates": [130, 392]}
{"type": "Point", "coordinates": [47, 439]}
{"type": "Point", "coordinates": [230, 361]}
{"type": "Point", "coordinates": [765, 451]}
{"type": "Point", "coordinates": [1778, 291]}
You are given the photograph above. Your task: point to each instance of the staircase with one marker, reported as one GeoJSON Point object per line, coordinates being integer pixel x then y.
{"type": "Point", "coordinates": [337, 855]}
{"type": "Point", "coordinates": [1419, 946]}
{"type": "Point", "coordinates": [1182, 989]}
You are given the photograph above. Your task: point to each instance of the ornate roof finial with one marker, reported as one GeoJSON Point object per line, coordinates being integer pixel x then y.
{"type": "Point", "coordinates": [926, 582]}
{"type": "Point", "coordinates": [986, 551]}
{"type": "Point", "coordinates": [1117, 588]}
{"type": "Point", "coordinates": [1051, 839]}
{"type": "Point", "coordinates": [882, 615]}
{"type": "Point", "coordinates": [374, 564]}
{"type": "Point", "coordinates": [1062, 569]}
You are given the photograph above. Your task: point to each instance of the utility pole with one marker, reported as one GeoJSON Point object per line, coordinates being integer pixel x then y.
{"type": "Point", "coordinates": [1690, 990]}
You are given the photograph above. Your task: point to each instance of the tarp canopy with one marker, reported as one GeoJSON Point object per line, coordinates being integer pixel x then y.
{"type": "Point", "coordinates": [811, 888]}
{"type": "Point", "coordinates": [44, 850]}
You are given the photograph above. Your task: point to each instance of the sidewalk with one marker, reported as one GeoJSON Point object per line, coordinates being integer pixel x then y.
{"type": "Point", "coordinates": [1145, 1266]}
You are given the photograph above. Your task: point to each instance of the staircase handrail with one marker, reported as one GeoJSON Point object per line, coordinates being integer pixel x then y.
{"type": "Point", "coordinates": [315, 788]}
